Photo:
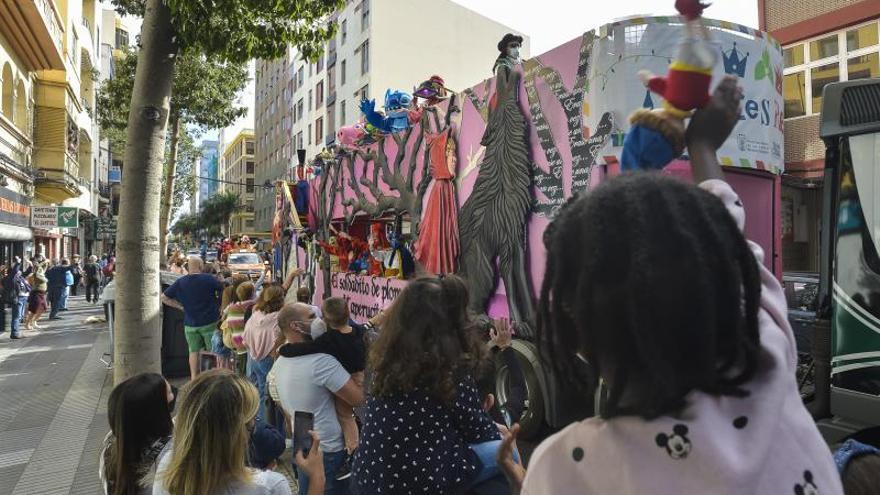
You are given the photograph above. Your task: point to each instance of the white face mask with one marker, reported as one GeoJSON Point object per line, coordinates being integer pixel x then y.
{"type": "Point", "coordinates": [513, 53]}
{"type": "Point", "coordinates": [318, 328]}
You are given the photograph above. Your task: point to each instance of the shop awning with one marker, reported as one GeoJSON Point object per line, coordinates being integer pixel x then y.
{"type": "Point", "coordinates": [15, 233]}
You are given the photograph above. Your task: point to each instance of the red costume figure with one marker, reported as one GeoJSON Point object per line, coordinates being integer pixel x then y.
{"type": "Point", "coordinates": [437, 245]}
{"type": "Point", "coordinates": [657, 136]}
{"type": "Point", "coordinates": [378, 245]}
{"type": "Point", "coordinates": [686, 85]}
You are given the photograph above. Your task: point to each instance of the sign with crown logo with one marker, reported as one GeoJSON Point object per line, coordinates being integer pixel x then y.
{"type": "Point", "coordinates": [623, 48]}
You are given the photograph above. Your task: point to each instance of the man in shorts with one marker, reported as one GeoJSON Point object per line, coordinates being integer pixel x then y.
{"type": "Point", "coordinates": [198, 296]}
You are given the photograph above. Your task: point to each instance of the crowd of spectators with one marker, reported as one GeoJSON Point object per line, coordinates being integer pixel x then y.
{"type": "Point", "coordinates": [694, 357]}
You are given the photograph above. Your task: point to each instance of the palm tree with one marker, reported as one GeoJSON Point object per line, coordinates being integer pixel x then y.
{"type": "Point", "coordinates": [186, 225]}
{"type": "Point", "coordinates": [218, 209]}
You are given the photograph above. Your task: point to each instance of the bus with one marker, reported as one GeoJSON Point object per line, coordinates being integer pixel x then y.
{"type": "Point", "coordinates": [846, 339]}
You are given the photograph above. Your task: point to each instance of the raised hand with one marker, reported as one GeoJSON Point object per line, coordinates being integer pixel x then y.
{"type": "Point", "coordinates": [513, 470]}
{"type": "Point", "coordinates": [501, 333]}
{"type": "Point", "coordinates": [710, 126]}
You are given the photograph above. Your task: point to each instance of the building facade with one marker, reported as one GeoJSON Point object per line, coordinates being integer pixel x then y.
{"type": "Point", "coordinates": [115, 38]}
{"type": "Point", "coordinates": [208, 172]}
{"type": "Point", "coordinates": [238, 177]}
{"type": "Point", "coordinates": [48, 134]}
{"type": "Point", "coordinates": [299, 105]}
{"type": "Point", "coordinates": [824, 41]}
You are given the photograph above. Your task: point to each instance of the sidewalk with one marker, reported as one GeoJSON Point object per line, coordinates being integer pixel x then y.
{"type": "Point", "coordinates": [53, 400]}
{"type": "Point", "coordinates": [53, 406]}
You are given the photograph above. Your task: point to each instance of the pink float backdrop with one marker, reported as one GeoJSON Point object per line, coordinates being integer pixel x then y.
{"type": "Point", "coordinates": [758, 189]}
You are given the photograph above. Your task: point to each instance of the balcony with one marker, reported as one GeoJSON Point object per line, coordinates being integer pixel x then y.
{"type": "Point", "coordinates": [55, 185]}
{"type": "Point", "coordinates": [87, 46]}
{"type": "Point", "coordinates": [34, 31]}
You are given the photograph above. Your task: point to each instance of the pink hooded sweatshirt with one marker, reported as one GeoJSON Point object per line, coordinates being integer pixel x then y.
{"type": "Point", "coordinates": [765, 443]}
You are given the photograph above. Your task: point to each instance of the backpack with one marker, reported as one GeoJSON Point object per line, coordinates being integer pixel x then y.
{"type": "Point", "coordinates": [9, 289]}
{"type": "Point", "coordinates": [108, 270]}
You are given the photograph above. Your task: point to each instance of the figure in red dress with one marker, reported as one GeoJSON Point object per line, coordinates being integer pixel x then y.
{"type": "Point", "coordinates": [437, 245]}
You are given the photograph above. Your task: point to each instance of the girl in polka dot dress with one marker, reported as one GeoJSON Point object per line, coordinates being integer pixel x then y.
{"type": "Point", "coordinates": [651, 286]}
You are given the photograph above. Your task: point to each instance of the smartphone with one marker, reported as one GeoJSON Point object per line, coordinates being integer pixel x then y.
{"type": "Point", "coordinates": [303, 422]}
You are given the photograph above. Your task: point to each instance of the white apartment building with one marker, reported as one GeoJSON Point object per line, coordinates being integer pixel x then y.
{"type": "Point", "coordinates": [379, 45]}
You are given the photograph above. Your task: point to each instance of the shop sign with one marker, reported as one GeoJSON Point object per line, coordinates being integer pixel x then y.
{"type": "Point", "coordinates": [14, 208]}
{"type": "Point", "coordinates": [105, 225]}
{"type": "Point", "coordinates": [50, 217]}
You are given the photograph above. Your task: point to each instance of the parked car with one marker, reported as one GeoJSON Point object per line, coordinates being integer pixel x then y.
{"type": "Point", "coordinates": [211, 256]}
{"type": "Point", "coordinates": [801, 294]}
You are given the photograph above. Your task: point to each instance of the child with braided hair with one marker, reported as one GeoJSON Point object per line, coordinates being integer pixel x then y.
{"type": "Point", "coordinates": [652, 288]}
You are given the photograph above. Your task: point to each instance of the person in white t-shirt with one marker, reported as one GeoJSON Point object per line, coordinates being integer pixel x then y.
{"type": "Point", "coordinates": [210, 441]}
{"type": "Point", "coordinates": [309, 383]}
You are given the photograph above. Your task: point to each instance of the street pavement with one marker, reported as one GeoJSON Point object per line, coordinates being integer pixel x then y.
{"type": "Point", "coordinates": [53, 405]}
{"type": "Point", "coordinates": [53, 416]}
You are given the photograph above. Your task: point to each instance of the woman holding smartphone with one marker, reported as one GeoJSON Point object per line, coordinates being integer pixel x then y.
{"type": "Point", "coordinates": [210, 442]}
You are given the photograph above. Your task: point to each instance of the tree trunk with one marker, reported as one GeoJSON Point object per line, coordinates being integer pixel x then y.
{"type": "Point", "coordinates": [168, 192]}
{"type": "Point", "coordinates": [138, 317]}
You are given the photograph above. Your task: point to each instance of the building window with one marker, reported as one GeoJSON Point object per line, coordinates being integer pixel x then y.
{"type": "Point", "coordinates": [342, 73]}
{"type": "Point", "coordinates": [848, 54]}
{"type": "Point", "coordinates": [863, 67]}
{"type": "Point", "coordinates": [793, 56]}
{"type": "Point", "coordinates": [310, 134]}
{"type": "Point", "coordinates": [363, 93]}
{"type": "Point", "coordinates": [121, 39]}
{"type": "Point", "coordinates": [819, 77]}
{"type": "Point", "coordinates": [319, 65]}
{"type": "Point", "coordinates": [249, 148]}
{"type": "Point", "coordinates": [365, 14]}
{"type": "Point", "coordinates": [249, 184]}
{"type": "Point", "coordinates": [299, 109]}
{"type": "Point", "coordinates": [249, 168]}
{"type": "Point", "coordinates": [8, 91]}
{"type": "Point", "coordinates": [365, 57]}
{"type": "Point", "coordinates": [319, 130]}
{"type": "Point", "coordinates": [299, 140]}
{"type": "Point", "coordinates": [824, 48]}
{"type": "Point", "coordinates": [794, 89]}
{"type": "Point", "coordinates": [311, 105]}
{"type": "Point", "coordinates": [341, 113]}
{"type": "Point", "coordinates": [344, 30]}
{"type": "Point", "coordinates": [319, 94]}
{"type": "Point", "coordinates": [300, 79]}
{"type": "Point", "coordinates": [861, 37]}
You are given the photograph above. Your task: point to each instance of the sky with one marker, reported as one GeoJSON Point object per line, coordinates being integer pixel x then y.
{"type": "Point", "coordinates": [559, 21]}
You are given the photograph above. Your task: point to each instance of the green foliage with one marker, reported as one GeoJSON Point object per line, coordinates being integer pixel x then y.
{"type": "Point", "coordinates": [218, 209]}
{"type": "Point", "coordinates": [186, 225]}
{"type": "Point", "coordinates": [185, 182]}
{"type": "Point", "coordinates": [239, 30]}
{"type": "Point", "coordinates": [203, 95]}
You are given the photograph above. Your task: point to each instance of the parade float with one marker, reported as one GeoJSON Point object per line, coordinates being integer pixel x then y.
{"type": "Point", "coordinates": [466, 183]}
